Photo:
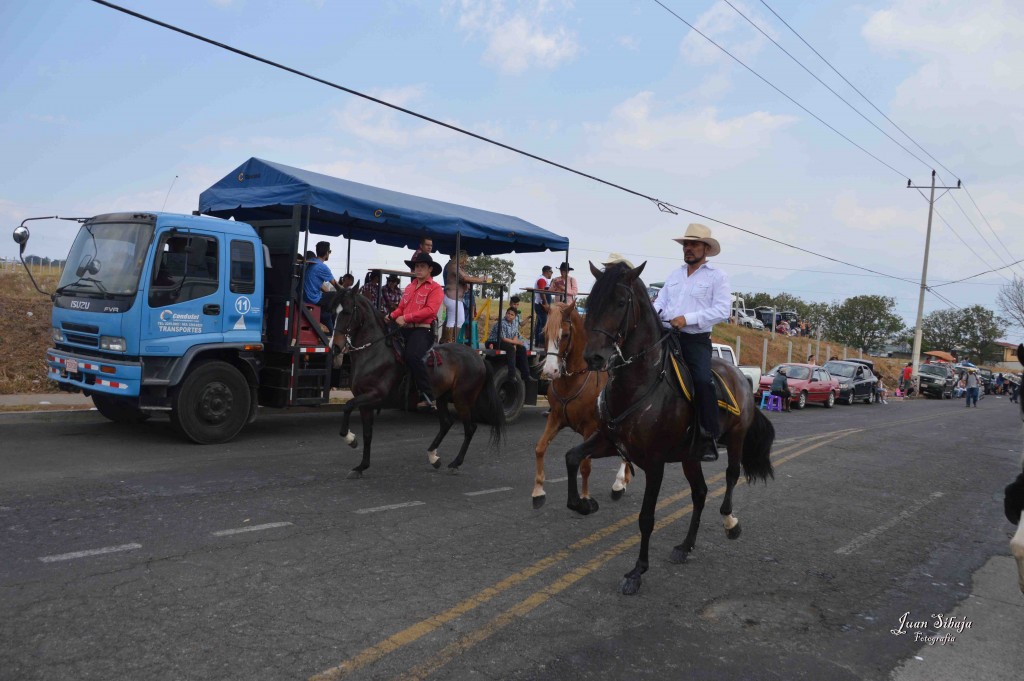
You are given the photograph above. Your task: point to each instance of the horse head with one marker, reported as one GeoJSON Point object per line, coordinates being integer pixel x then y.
{"type": "Point", "coordinates": [558, 333]}
{"type": "Point", "coordinates": [614, 308]}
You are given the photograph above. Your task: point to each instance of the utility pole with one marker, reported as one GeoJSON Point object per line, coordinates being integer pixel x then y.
{"type": "Point", "coordinates": [916, 352]}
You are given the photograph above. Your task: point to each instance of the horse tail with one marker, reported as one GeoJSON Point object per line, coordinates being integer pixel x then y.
{"type": "Point", "coordinates": [757, 448]}
{"type": "Point", "coordinates": [489, 408]}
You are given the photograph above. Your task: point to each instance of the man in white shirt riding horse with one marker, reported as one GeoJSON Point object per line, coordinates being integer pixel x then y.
{"type": "Point", "coordinates": [694, 298]}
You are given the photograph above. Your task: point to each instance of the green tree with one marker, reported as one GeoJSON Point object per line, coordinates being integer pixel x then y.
{"type": "Point", "coordinates": [863, 321]}
{"type": "Point", "coordinates": [969, 332]}
{"type": "Point", "coordinates": [499, 269]}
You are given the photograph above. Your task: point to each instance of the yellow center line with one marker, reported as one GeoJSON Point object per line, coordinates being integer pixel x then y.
{"type": "Point", "coordinates": [422, 628]}
{"type": "Point", "coordinates": [541, 596]}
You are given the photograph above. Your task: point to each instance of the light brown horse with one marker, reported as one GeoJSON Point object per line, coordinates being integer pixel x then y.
{"type": "Point", "coordinates": [572, 394]}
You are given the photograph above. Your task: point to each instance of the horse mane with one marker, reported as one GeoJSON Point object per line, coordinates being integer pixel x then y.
{"type": "Point", "coordinates": [600, 294]}
{"type": "Point", "coordinates": [554, 323]}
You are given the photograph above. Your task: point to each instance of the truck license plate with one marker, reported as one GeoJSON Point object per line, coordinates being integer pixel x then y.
{"type": "Point", "coordinates": [72, 365]}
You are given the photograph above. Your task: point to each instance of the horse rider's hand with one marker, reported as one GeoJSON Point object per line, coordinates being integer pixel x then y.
{"type": "Point", "coordinates": [678, 322]}
{"type": "Point", "coordinates": [401, 321]}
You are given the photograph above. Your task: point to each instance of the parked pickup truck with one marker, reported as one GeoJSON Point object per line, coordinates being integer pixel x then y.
{"type": "Point", "coordinates": [726, 352]}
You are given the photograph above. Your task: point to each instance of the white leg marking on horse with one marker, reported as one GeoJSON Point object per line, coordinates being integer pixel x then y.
{"type": "Point", "coordinates": [730, 521]}
{"type": "Point", "coordinates": [620, 479]}
{"type": "Point", "coordinates": [350, 437]}
{"type": "Point", "coordinates": [1017, 549]}
{"type": "Point", "coordinates": [432, 456]}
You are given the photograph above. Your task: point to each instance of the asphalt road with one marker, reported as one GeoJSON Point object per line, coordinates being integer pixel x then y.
{"type": "Point", "coordinates": [129, 554]}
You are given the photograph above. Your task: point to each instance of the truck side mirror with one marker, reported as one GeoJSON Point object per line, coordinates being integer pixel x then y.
{"type": "Point", "coordinates": [21, 236]}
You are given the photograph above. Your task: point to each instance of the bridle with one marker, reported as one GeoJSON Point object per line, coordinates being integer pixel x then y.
{"type": "Point", "coordinates": [620, 334]}
{"type": "Point", "coordinates": [563, 359]}
{"type": "Point", "coordinates": [355, 323]}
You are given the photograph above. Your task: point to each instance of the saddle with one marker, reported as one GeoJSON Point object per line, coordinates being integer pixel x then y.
{"type": "Point", "coordinates": [683, 379]}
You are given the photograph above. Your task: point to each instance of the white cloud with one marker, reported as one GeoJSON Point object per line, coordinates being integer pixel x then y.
{"type": "Point", "coordinates": [629, 42]}
{"type": "Point", "coordinates": [965, 95]}
{"type": "Point", "coordinates": [518, 39]}
{"type": "Point", "coordinates": [641, 128]}
{"type": "Point", "coordinates": [727, 28]}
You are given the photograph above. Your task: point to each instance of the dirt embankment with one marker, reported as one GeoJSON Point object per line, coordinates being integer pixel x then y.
{"type": "Point", "coordinates": [24, 333]}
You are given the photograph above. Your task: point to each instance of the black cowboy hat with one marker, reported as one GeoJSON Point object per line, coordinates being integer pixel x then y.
{"type": "Point", "coordinates": [565, 266]}
{"type": "Point", "coordinates": [420, 256]}
{"type": "Point", "coordinates": [393, 277]}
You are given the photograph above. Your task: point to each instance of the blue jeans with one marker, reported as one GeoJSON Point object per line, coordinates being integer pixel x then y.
{"type": "Point", "coordinates": [540, 319]}
{"type": "Point", "coordinates": [972, 394]}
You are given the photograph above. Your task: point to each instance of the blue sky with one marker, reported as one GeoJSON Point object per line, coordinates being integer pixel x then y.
{"type": "Point", "coordinates": [101, 111]}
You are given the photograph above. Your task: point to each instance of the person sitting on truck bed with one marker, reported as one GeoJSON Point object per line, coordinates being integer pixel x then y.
{"type": "Point", "coordinates": [318, 273]}
{"type": "Point", "coordinates": [420, 303]}
{"type": "Point", "coordinates": [505, 336]}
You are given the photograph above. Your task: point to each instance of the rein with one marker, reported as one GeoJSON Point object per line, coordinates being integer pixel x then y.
{"type": "Point", "coordinates": [620, 337]}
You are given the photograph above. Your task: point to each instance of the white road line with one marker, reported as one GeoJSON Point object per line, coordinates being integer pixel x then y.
{"type": "Point", "coordinates": [561, 479]}
{"type": "Point", "coordinates": [391, 507]}
{"type": "Point", "coordinates": [90, 552]}
{"type": "Point", "coordinates": [254, 528]}
{"type": "Point", "coordinates": [889, 524]}
{"type": "Point", "coordinates": [487, 491]}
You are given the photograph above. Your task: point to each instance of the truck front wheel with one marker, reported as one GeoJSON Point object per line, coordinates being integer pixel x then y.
{"type": "Point", "coordinates": [118, 409]}
{"type": "Point", "coordinates": [212, 404]}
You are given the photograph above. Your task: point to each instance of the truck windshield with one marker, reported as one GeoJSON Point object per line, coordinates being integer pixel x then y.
{"type": "Point", "coordinates": [933, 370]}
{"type": "Point", "coordinates": [106, 259]}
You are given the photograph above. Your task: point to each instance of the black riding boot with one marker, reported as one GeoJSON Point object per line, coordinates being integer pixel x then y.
{"type": "Point", "coordinates": [705, 444]}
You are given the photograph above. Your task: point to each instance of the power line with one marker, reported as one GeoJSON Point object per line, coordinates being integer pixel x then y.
{"type": "Point", "coordinates": [826, 85]}
{"type": "Point", "coordinates": [979, 274]}
{"type": "Point", "coordinates": [892, 122]}
{"type": "Point", "coordinates": [662, 205]}
{"type": "Point", "coordinates": [772, 86]}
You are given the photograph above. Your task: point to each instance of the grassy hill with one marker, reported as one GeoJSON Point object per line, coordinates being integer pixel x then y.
{"type": "Point", "coordinates": [24, 332]}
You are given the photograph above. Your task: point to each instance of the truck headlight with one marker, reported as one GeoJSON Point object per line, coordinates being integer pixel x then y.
{"type": "Point", "coordinates": [56, 335]}
{"type": "Point", "coordinates": [113, 344]}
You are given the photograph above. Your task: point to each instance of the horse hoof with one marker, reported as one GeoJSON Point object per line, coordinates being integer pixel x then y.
{"type": "Point", "coordinates": [593, 505]}
{"type": "Point", "coordinates": [539, 501]}
{"type": "Point", "coordinates": [678, 556]}
{"type": "Point", "coordinates": [630, 585]}
{"type": "Point", "coordinates": [581, 506]}
{"type": "Point", "coordinates": [453, 469]}
{"type": "Point", "coordinates": [354, 474]}
{"type": "Point", "coordinates": [354, 444]}
{"type": "Point", "coordinates": [617, 494]}
{"type": "Point", "coordinates": [436, 464]}
{"type": "Point", "coordinates": [734, 533]}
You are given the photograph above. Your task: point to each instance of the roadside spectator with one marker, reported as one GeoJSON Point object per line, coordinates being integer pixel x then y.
{"type": "Point", "coordinates": [347, 281]}
{"type": "Point", "coordinates": [810, 359]}
{"type": "Point", "coordinates": [1000, 382]}
{"type": "Point", "coordinates": [972, 387]}
{"type": "Point", "coordinates": [780, 388]}
{"type": "Point", "coordinates": [880, 392]}
{"type": "Point", "coordinates": [961, 388]}
{"type": "Point", "coordinates": [1014, 392]}
{"type": "Point", "coordinates": [906, 378]}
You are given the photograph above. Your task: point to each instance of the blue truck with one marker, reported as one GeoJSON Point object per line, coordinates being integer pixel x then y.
{"type": "Point", "coordinates": [202, 316]}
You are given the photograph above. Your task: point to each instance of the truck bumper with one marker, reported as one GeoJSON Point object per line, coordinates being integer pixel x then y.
{"type": "Point", "coordinates": [92, 375]}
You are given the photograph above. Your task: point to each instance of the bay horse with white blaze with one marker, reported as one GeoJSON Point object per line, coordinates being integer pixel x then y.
{"type": "Point", "coordinates": [572, 394]}
{"type": "Point", "coordinates": [1013, 500]}
{"type": "Point", "coordinates": [458, 375]}
{"type": "Point", "coordinates": [644, 418]}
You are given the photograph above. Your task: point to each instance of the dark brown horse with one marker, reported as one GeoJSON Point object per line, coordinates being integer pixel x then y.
{"type": "Point", "coordinates": [572, 394]}
{"type": "Point", "coordinates": [643, 416]}
{"type": "Point", "coordinates": [458, 375]}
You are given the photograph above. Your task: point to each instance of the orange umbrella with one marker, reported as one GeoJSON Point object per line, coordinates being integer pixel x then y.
{"type": "Point", "coordinates": [941, 354]}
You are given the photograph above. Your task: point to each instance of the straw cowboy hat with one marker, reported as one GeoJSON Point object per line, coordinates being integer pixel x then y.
{"type": "Point", "coordinates": [615, 258]}
{"type": "Point", "coordinates": [699, 232]}
{"type": "Point", "coordinates": [420, 256]}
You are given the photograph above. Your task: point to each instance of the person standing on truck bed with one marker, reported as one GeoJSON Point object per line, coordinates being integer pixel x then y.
{"type": "Point", "coordinates": [318, 273]}
{"type": "Point", "coordinates": [695, 298]}
{"type": "Point", "coordinates": [420, 303]}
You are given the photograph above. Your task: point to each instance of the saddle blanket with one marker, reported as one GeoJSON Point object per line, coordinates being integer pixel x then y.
{"type": "Point", "coordinates": [684, 381]}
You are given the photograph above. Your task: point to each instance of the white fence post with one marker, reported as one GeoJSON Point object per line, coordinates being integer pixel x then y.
{"type": "Point", "coordinates": [789, 353]}
{"type": "Point", "coordinates": [764, 357]}
{"type": "Point", "coordinates": [739, 349]}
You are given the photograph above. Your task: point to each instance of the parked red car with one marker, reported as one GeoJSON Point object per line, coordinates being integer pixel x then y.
{"type": "Point", "coordinates": [807, 382]}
